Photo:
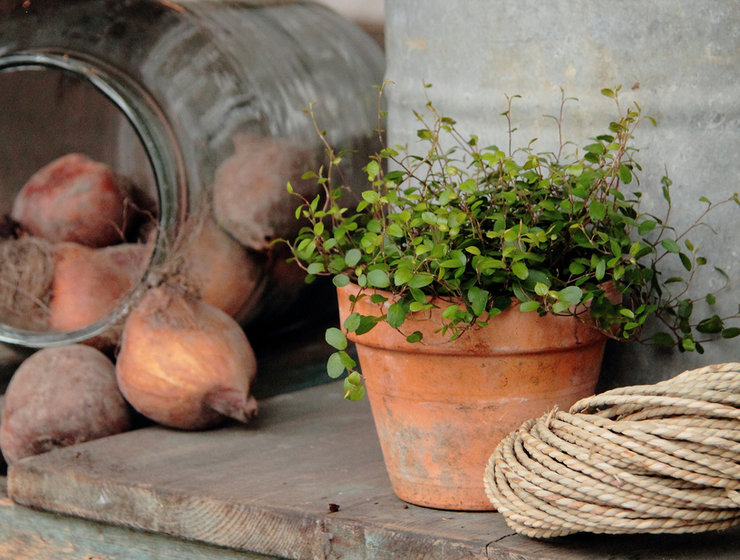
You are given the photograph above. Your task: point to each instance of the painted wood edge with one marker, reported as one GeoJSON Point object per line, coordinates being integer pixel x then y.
{"type": "Point", "coordinates": [30, 534]}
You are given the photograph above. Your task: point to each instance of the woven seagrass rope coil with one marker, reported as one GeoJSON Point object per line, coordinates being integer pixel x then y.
{"type": "Point", "coordinates": [662, 458]}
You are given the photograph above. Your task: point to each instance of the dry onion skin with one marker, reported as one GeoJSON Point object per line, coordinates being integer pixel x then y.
{"type": "Point", "coordinates": [58, 397]}
{"type": "Point", "coordinates": [184, 363]}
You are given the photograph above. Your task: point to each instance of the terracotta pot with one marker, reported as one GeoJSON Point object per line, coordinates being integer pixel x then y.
{"type": "Point", "coordinates": [440, 407]}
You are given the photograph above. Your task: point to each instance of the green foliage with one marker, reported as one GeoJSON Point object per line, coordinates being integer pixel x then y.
{"type": "Point", "coordinates": [483, 226]}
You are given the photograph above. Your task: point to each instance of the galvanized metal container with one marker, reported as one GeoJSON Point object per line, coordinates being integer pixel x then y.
{"type": "Point", "coordinates": [678, 59]}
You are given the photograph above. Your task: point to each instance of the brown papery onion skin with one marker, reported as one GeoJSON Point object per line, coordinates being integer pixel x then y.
{"type": "Point", "coordinates": [184, 363]}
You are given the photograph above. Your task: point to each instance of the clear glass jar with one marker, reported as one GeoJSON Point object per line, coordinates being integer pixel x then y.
{"type": "Point", "coordinates": [161, 91]}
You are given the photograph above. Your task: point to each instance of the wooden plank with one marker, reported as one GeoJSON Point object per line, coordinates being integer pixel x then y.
{"type": "Point", "coordinates": [35, 535]}
{"type": "Point", "coordinates": [267, 488]}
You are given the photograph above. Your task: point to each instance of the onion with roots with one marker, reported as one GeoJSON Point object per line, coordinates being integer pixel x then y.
{"type": "Point", "coordinates": [184, 363]}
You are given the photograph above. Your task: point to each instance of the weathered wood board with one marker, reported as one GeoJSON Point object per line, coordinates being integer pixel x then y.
{"type": "Point", "coordinates": [27, 534]}
{"type": "Point", "coordinates": [267, 487]}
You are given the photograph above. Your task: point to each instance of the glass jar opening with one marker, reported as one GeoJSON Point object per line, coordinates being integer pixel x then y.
{"type": "Point", "coordinates": [61, 104]}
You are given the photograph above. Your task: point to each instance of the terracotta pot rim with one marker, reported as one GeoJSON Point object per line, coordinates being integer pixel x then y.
{"type": "Point", "coordinates": [567, 331]}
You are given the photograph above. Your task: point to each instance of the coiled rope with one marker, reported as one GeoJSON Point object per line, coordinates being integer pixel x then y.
{"type": "Point", "coordinates": [662, 458]}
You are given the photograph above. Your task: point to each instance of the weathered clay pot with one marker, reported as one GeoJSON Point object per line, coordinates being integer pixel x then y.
{"type": "Point", "coordinates": [441, 407]}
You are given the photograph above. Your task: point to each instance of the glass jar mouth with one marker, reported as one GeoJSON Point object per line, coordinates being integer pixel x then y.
{"type": "Point", "coordinates": [162, 152]}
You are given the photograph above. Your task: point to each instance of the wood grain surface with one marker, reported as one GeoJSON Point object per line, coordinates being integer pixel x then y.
{"type": "Point", "coordinates": [305, 481]}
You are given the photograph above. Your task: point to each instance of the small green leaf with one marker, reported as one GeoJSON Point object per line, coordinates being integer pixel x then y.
{"type": "Point", "coordinates": [352, 322]}
{"type": "Point", "coordinates": [418, 295]}
{"type": "Point", "coordinates": [340, 280]}
{"type": "Point", "coordinates": [688, 344]}
{"type": "Point", "coordinates": [353, 392]}
{"type": "Point", "coordinates": [671, 246]}
{"type": "Point", "coordinates": [420, 280]}
{"type": "Point", "coordinates": [315, 268]}
{"type": "Point", "coordinates": [347, 360]}
{"type": "Point", "coordinates": [352, 257]}
{"type": "Point", "coordinates": [334, 366]}
{"type": "Point", "coordinates": [576, 268]}
{"type": "Point", "coordinates": [354, 378]}
{"type": "Point", "coordinates": [685, 308]}
{"type": "Point", "coordinates": [520, 270]}
{"type": "Point", "coordinates": [559, 307]}
{"type": "Point", "coordinates": [478, 299]}
{"type": "Point", "coordinates": [396, 315]}
{"type": "Point", "coordinates": [378, 278]}
{"type": "Point", "coordinates": [372, 169]}
{"type": "Point", "coordinates": [519, 293]}
{"type": "Point", "coordinates": [402, 276]}
{"type": "Point", "coordinates": [711, 299]}
{"type": "Point", "coordinates": [625, 174]}
{"type": "Point", "coordinates": [627, 313]}
{"type": "Point", "coordinates": [450, 312]}
{"type": "Point", "coordinates": [685, 261]}
{"type": "Point", "coordinates": [730, 332]}
{"type": "Point", "coordinates": [394, 230]}
{"type": "Point", "coordinates": [367, 323]}
{"type": "Point", "coordinates": [666, 189]}
{"type": "Point", "coordinates": [415, 336]}
{"type": "Point", "coordinates": [597, 210]}
{"type": "Point", "coordinates": [646, 227]}
{"type": "Point", "coordinates": [600, 270]}
{"type": "Point", "coordinates": [541, 289]}
{"type": "Point", "coordinates": [570, 295]}
{"type": "Point", "coordinates": [711, 325]}
{"type": "Point", "coordinates": [596, 149]}
{"type": "Point", "coordinates": [531, 305]}
{"type": "Point", "coordinates": [335, 338]}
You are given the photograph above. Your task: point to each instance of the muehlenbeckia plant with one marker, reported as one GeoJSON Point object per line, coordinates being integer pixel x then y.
{"type": "Point", "coordinates": [484, 228]}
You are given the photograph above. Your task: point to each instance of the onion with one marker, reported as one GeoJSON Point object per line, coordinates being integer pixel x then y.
{"type": "Point", "coordinates": [73, 198]}
{"type": "Point", "coordinates": [219, 270]}
{"type": "Point", "coordinates": [250, 199]}
{"type": "Point", "coordinates": [58, 397]}
{"type": "Point", "coordinates": [89, 283]}
{"type": "Point", "coordinates": [184, 363]}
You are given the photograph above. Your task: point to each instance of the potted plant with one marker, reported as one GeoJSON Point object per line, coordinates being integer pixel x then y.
{"type": "Point", "coordinates": [480, 285]}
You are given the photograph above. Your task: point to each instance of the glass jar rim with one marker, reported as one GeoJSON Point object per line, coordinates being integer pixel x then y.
{"type": "Point", "coordinates": [160, 146]}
